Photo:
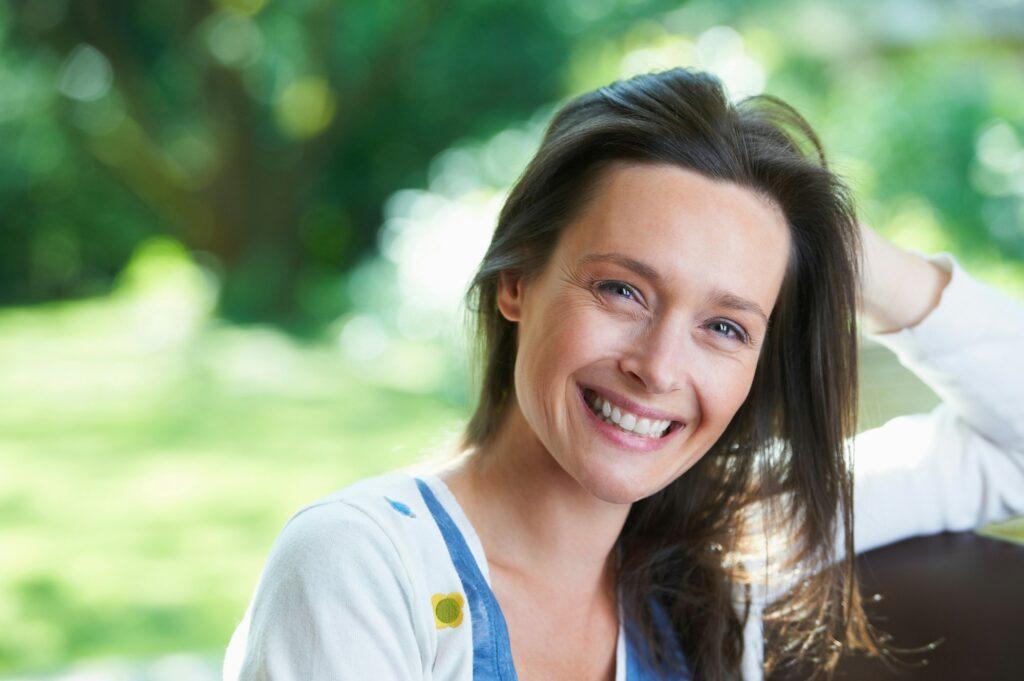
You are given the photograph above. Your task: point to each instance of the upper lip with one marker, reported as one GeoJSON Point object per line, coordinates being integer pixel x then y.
{"type": "Point", "coordinates": [635, 407]}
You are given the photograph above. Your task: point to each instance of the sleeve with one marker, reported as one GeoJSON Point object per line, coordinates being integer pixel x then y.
{"type": "Point", "coordinates": [334, 602]}
{"type": "Point", "coordinates": [962, 464]}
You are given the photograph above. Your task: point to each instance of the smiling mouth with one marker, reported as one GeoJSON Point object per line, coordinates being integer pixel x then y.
{"type": "Point", "coordinates": [598, 406]}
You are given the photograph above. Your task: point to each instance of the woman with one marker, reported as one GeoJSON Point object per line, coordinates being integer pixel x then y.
{"type": "Point", "coordinates": [659, 461]}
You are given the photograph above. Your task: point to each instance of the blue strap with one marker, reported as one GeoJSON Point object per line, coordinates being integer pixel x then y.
{"type": "Point", "coordinates": [492, 652]}
{"type": "Point", "coordinates": [639, 666]}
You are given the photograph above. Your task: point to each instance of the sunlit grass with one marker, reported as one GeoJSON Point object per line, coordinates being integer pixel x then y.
{"type": "Point", "coordinates": [1009, 530]}
{"type": "Point", "coordinates": [145, 532]}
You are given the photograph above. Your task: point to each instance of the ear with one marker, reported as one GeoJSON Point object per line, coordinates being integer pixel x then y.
{"type": "Point", "coordinates": [511, 288]}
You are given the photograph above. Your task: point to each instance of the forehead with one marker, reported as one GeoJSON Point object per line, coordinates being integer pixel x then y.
{"type": "Point", "coordinates": [693, 230]}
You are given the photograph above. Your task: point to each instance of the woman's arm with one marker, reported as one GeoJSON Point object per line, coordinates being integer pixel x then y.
{"type": "Point", "coordinates": [898, 287]}
{"type": "Point", "coordinates": [962, 464]}
{"type": "Point", "coordinates": [954, 468]}
{"type": "Point", "coordinates": [334, 602]}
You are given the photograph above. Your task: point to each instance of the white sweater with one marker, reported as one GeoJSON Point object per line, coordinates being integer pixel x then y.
{"type": "Point", "coordinates": [371, 582]}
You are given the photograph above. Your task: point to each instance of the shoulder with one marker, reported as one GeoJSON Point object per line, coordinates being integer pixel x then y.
{"type": "Point", "coordinates": [364, 501]}
{"type": "Point", "coordinates": [340, 564]}
{"type": "Point", "coordinates": [357, 524]}
{"type": "Point", "coordinates": [347, 554]}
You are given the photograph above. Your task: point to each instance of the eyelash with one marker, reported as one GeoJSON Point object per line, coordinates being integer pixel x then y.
{"type": "Point", "coordinates": [608, 285]}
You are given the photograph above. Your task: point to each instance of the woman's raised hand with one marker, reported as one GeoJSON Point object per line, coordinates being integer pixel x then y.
{"type": "Point", "coordinates": [898, 288]}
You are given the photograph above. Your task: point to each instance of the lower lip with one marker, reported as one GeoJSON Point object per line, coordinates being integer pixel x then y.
{"type": "Point", "coordinates": [622, 439]}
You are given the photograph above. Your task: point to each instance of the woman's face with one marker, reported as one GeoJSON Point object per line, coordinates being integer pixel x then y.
{"type": "Point", "coordinates": [652, 301]}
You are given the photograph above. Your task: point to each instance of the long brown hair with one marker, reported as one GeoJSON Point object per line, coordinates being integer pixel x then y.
{"type": "Point", "coordinates": [679, 547]}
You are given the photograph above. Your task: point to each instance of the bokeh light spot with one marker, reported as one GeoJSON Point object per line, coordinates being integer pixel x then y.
{"type": "Point", "coordinates": [86, 74]}
{"type": "Point", "coordinates": [305, 107]}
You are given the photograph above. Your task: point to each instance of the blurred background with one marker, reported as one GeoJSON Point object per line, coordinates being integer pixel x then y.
{"type": "Point", "coordinates": [234, 236]}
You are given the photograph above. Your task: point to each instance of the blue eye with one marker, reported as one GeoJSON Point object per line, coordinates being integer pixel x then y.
{"type": "Point", "coordinates": [624, 290]}
{"type": "Point", "coordinates": [740, 335]}
{"type": "Point", "coordinates": [619, 286]}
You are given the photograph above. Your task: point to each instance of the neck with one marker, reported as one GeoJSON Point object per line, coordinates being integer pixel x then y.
{"type": "Point", "coordinates": [535, 520]}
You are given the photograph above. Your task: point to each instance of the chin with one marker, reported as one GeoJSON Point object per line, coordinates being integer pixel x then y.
{"type": "Point", "coordinates": [614, 486]}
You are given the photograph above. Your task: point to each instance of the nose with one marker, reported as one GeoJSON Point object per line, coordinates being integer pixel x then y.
{"type": "Point", "coordinates": [656, 361]}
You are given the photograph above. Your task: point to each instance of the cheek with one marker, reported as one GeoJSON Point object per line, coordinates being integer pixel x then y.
{"type": "Point", "coordinates": [721, 394]}
{"type": "Point", "coordinates": [545, 345]}
{"type": "Point", "coordinates": [567, 337]}
{"type": "Point", "coordinates": [553, 348]}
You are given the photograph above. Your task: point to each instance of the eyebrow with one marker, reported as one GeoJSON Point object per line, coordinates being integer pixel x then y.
{"type": "Point", "coordinates": [716, 297]}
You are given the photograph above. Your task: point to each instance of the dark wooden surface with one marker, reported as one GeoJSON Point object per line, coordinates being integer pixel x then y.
{"type": "Point", "coordinates": [964, 591]}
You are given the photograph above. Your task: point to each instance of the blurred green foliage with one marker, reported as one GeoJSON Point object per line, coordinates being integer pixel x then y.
{"type": "Point", "coordinates": [334, 169]}
{"type": "Point", "coordinates": [263, 135]}
{"type": "Point", "coordinates": [266, 135]}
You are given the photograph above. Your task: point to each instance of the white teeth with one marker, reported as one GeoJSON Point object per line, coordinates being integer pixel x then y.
{"type": "Point", "coordinates": [629, 422]}
{"type": "Point", "coordinates": [643, 427]}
